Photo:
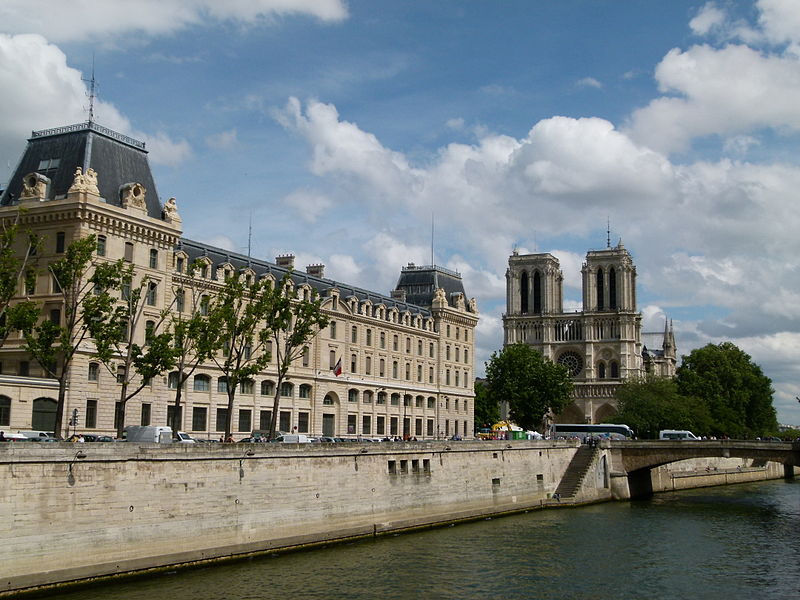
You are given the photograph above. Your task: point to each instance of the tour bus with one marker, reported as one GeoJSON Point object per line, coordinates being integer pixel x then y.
{"type": "Point", "coordinates": [583, 430]}
{"type": "Point", "coordinates": [676, 434]}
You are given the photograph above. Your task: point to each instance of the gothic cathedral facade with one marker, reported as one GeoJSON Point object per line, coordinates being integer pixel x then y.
{"type": "Point", "coordinates": [602, 345]}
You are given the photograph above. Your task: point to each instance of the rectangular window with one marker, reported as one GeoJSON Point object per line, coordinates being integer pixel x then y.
{"type": "Point", "coordinates": [56, 286]}
{"type": "Point", "coordinates": [351, 424]}
{"type": "Point", "coordinates": [285, 418]}
{"type": "Point", "coordinates": [24, 368]}
{"type": "Point", "coordinates": [306, 356]}
{"type": "Point", "coordinates": [394, 343]}
{"type": "Point", "coordinates": [199, 418]}
{"type": "Point", "coordinates": [60, 239]}
{"type": "Point", "coordinates": [419, 347]}
{"type": "Point", "coordinates": [430, 375]}
{"type": "Point", "coordinates": [179, 264]}
{"type": "Point", "coordinates": [418, 427]}
{"type": "Point", "coordinates": [302, 422]}
{"type": "Point", "coordinates": [429, 428]}
{"type": "Point", "coordinates": [368, 365]}
{"type": "Point", "coordinates": [174, 414]}
{"type": "Point", "coordinates": [128, 252]}
{"type": "Point", "coordinates": [419, 372]}
{"type": "Point", "coordinates": [354, 335]}
{"type": "Point", "coordinates": [383, 340]}
{"type": "Point", "coordinates": [101, 245]}
{"type": "Point", "coordinates": [145, 414]}
{"type": "Point", "coordinates": [380, 425]}
{"type": "Point", "coordinates": [430, 349]}
{"type": "Point", "coordinates": [153, 258]}
{"type": "Point", "coordinates": [265, 419]}
{"type": "Point", "coordinates": [366, 424]}
{"type": "Point", "coordinates": [30, 282]}
{"type": "Point", "coordinates": [91, 414]}
{"type": "Point", "coordinates": [393, 426]}
{"type": "Point", "coordinates": [222, 418]}
{"type": "Point", "coordinates": [180, 300]}
{"type": "Point", "coordinates": [245, 419]}
{"type": "Point", "coordinates": [152, 290]}
{"type": "Point", "coordinates": [369, 337]}
{"type": "Point", "coordinates": [333, 329]}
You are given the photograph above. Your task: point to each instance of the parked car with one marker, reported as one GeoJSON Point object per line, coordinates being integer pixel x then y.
{"type": "Point", "coordinates": [15, 437]}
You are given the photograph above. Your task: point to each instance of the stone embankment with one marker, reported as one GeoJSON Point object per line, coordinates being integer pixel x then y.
{"type": "Point", "coordinates": [130, 508]}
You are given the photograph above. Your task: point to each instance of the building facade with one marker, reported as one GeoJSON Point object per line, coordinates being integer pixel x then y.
{"type": "Point", "coordinates": [407, 358]}
{"type": "Point", "coordinates": [601, 345]}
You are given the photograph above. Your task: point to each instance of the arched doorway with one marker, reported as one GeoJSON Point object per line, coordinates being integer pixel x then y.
{"type": "Point", "coordinates": [43, 417]}
{"type": "Point", "coordinates": [330, 405]}
{"type": "Point", "coordinates": [571, 414]}
{"type": "Point", "coordinates": [604, 412]}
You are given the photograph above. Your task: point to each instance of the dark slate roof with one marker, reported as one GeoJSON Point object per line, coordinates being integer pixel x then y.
{"type": "Point", "coordinates": [219, 256]}
{"type": "Point", "coordinates": [420, 282]}
{"type": "Point", "coordinates": [116, 158]}
{"type": "Point", "coordinates": [653, 342]}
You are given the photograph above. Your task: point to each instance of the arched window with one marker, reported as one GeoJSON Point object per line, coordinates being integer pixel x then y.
{"type": "Point", "coordinates": [352, 395]}
{"type": "Point", "coordinates": [600, 290]}
{"type": "Point", "coordinates": [537, 293]}
{"type": "Point", "coordinates": [328, 400]}
{"type": "Point", "coordinates": [601, 370]}
{"type": "Point", "coordinates": [612, 289]}
{"type": "Point", "coordinates": [267, 388]}
{"type": "Point", "coordinates": [5, 411]}
{"type": "Point", "coordinates": [202, 383]}
{"type": "Point", "coordinates": [523, 293]}
{"type": "Point", "coordinates": [222, 385]}
{"type": "Point", "coordinates": [614, 369]}
{"type": "Point", "coordinates": [287, 389]}
{"type": "Point", "coordinates": [246, 387]}
{"type": "Point", "coordinates": [381, 398]}
{"type": "Point", "coordinates": [367, 397]}
{"type": "Point", "coordinates": [395, 399]}
{"type": "Point", "coordinates": [305, 391]}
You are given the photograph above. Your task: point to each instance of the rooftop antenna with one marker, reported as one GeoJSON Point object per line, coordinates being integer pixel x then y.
{"type": "Point", "coordinates": [608, 232]}
{"type": "Point", "coordinates": [433, 263]}
{"type": "Point", "coordinates": [250, 236]}
{"type": "Point", "coordinates": [92, 92]}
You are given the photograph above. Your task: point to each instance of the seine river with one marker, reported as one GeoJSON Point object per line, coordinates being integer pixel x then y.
{"type": "Point", "coordinates": [732, 542]}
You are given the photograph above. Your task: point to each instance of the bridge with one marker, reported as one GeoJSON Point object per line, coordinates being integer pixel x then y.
{"type": "Point", "coordinates": [634, 459]}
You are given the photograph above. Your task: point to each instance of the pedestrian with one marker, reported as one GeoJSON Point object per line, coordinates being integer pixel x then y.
{"type": "Point", "coordinates": [2, 436]}
{"type": "Point", "coordinates": [80, 439]}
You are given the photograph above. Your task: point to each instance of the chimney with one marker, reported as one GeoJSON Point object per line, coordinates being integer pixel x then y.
{"type": "Point", "coordinates": [316, 270]}
{"type": "Point", "coordinates": [285, 260]}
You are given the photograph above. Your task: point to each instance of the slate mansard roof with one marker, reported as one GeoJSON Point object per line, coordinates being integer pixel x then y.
{"type": "Point", "coordinates": [120, 160]}
{"type": "Point", "coordinates": [56, 153]}
{"type": "Point", "coordinates": [321, 285]}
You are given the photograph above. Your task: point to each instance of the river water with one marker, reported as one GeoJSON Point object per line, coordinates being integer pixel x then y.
{"type": "Point", "coordinates": [740, 541]}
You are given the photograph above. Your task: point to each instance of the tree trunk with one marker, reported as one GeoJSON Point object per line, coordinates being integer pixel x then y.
{"type": "Point", "coordinates": [62, 393]}
{"type": "Point", "coordinates": [229, 417]}
{"type": "Point", "coordinates": [123, 400]}
{"type": "Point", "coordinates": [273, 423]}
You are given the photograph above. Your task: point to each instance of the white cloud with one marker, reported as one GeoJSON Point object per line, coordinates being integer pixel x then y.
{"type": "Point", "coordinates": [709, 17]}
{"type": "Point", "coordinates": [222, 241]}
{"type": "Point", "coordinates": [589, 82]}
{"type": "Point", "coordinates": [41, 91]}
{"type": "Point", "coordinates": [224, 140]}
{"type": "Point", "coordinates": [81, 20]}
{"type": "Point", "coordinates": [308, 205]}
{"type": "Point", "coordinates": [731, 90]}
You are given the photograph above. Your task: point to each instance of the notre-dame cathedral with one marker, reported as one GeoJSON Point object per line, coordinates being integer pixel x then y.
{"type": "Point", "coordinates": [602, 345]}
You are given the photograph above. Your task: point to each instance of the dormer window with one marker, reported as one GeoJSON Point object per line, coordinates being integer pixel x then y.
{"type": "Point", "coordinates": [48, 164]}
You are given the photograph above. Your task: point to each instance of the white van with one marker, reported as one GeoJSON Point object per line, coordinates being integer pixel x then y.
{"type": "Point", "coordinates": [676, 434]}
{"type": "Point", "coordinates": [292, 438]}
{"type": "Point", "coordinates": [148, 434]}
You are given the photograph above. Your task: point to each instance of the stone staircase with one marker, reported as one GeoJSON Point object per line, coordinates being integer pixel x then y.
{"type": "Point", "coordinates": [576, 472]}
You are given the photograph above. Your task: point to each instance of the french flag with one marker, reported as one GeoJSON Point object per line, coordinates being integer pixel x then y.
{"type": "Point", "coordinates": [337, 369]}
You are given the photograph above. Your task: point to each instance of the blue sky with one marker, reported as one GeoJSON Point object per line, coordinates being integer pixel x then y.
{"type": "Point", "coordinates": [343, 127]}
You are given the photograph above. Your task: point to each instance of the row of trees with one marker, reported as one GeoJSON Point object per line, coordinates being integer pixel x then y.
{"type": "Point", "coordinates": [718, 390]}
{"type": "Point", "coordinates": [245, 325]}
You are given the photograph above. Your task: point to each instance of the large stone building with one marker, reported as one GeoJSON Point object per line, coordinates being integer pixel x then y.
{"type": "Point", "coordinates": [407, 357]}
{"type": "Point", "coordinates": [602, 345]}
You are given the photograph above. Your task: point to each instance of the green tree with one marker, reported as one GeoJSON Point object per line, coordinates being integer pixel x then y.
{"type": "Point", "coordinates": [531, 384]}
{"type": "Point", "coordinates": [15, 266]}
{"type": "Point", "coordinates": [238, 316]}
{"type": "Point", "coordinates": [194, 340]}
{"type": "Point", "coordinates": [652, 404]}
{"type": "Point", "coordinates": [84, 289]}
{"type": "Point", "coordinates": [115, 334]}
{"type": "Point", "coordinates": [487, 410]}
{"type": "Point", "coordinates": [737, 393]}
{"type": "Point", "coordinates": [292, 323]}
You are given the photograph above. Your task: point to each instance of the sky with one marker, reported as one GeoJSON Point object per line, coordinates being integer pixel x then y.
{"type": "Point", "coordinates": [368, 134]}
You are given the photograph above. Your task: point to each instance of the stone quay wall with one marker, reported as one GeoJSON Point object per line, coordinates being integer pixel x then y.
{"type": "Point", "coordinates": [129, 507]}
